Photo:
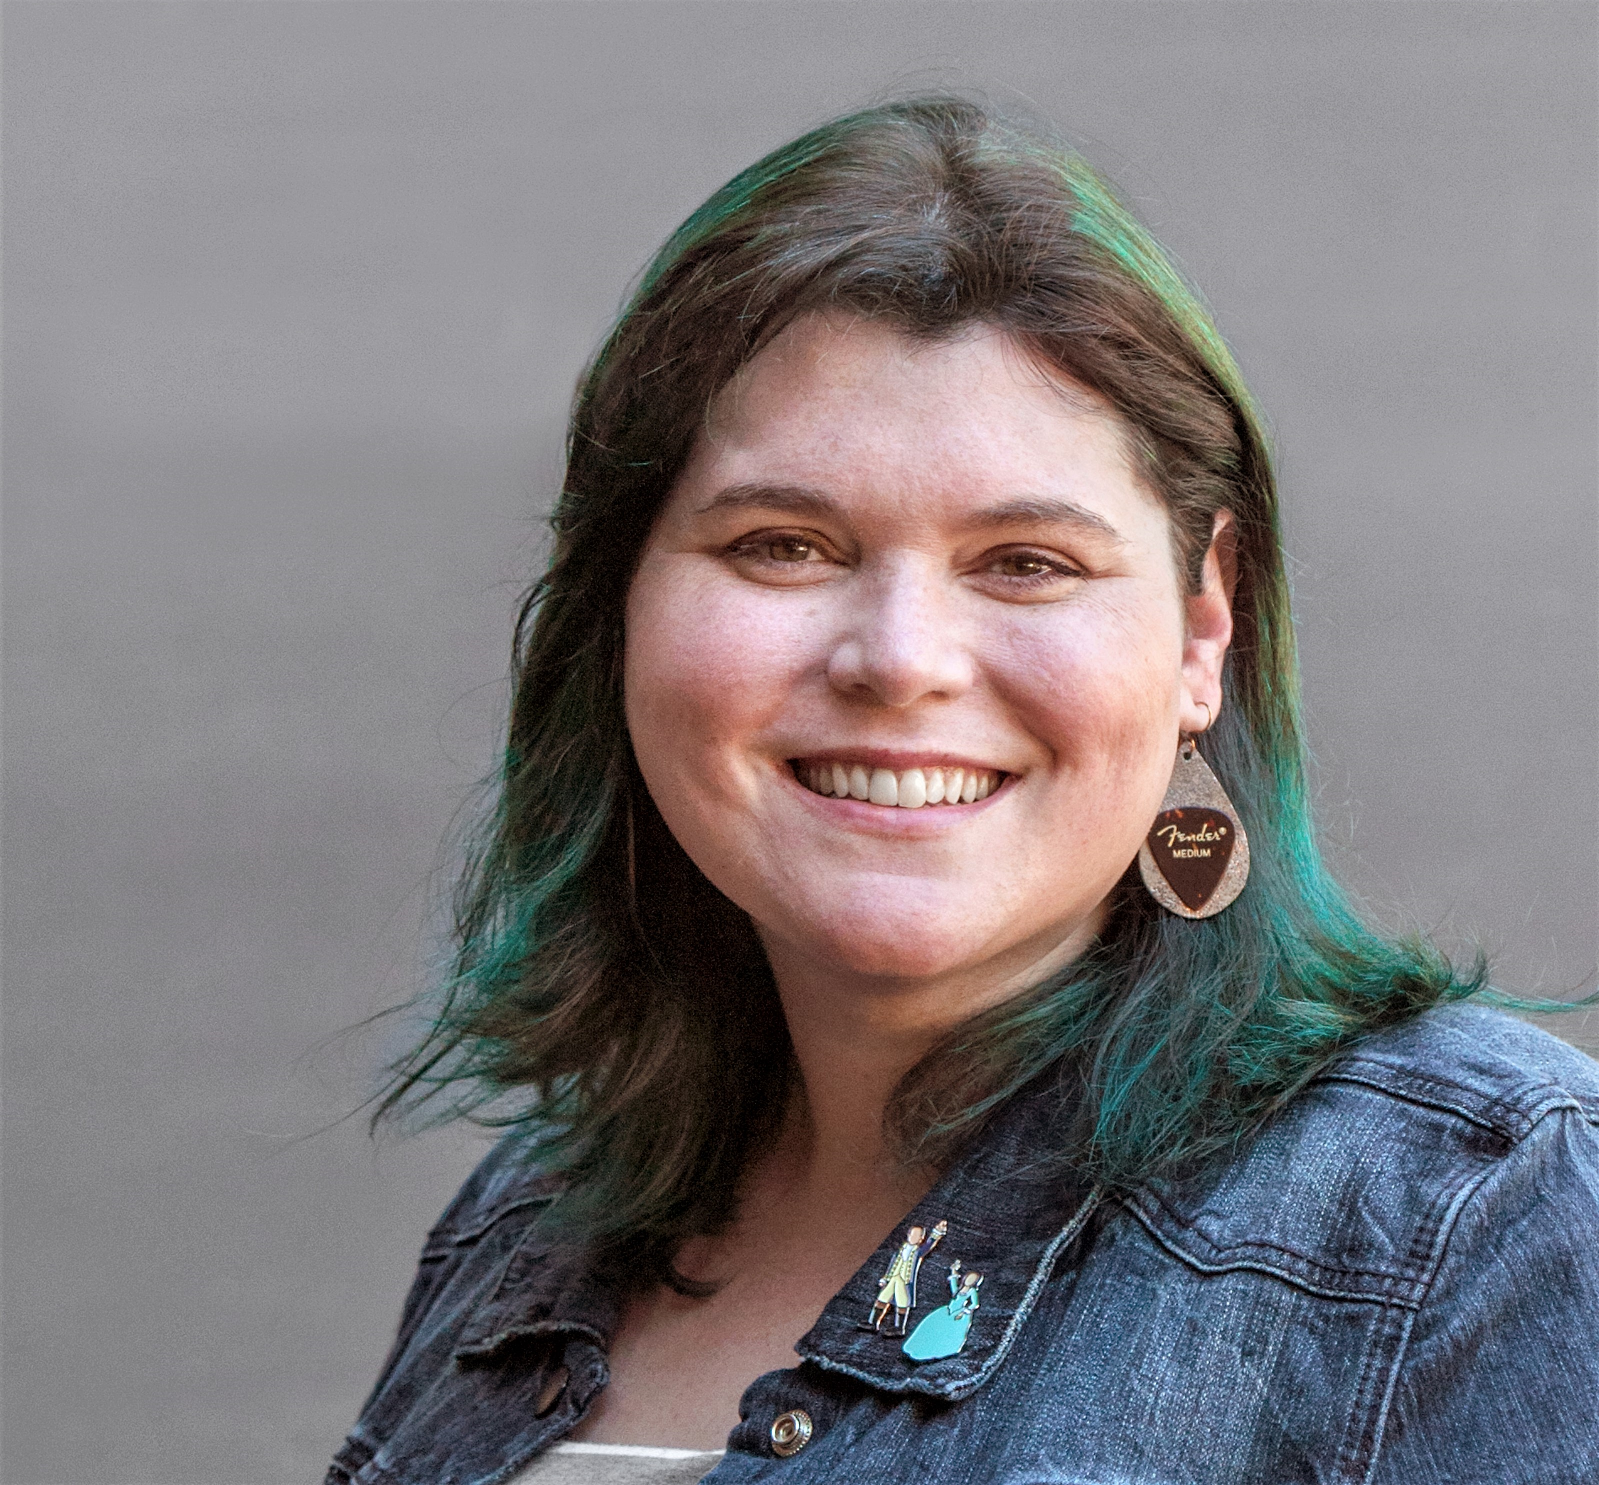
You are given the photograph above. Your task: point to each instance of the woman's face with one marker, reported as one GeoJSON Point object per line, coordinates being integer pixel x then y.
{"type": "Point", "coordinates": [897, 569]}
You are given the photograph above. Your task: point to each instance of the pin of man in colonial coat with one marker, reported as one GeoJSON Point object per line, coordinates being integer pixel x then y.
{"type": "Point", "coordinates": [898, 1290]}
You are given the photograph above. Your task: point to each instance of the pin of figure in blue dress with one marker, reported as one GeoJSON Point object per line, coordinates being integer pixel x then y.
{"type": "Point", "coordinates": [943, 1332]}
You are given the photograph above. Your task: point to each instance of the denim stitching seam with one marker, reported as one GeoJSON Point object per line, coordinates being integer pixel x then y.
{"type": "Point", "coordinates": [1382, 1287]}
{"type": "Point", "coordinates": [1046, 1264]}
{"type": "Point", "coordinates": [1364, 1445]}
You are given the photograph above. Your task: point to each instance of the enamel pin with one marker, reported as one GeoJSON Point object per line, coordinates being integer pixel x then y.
{"type": "Point", "coordinates": [944, 1332]}
{"type": "Point", "coordinates": [897, 1287]}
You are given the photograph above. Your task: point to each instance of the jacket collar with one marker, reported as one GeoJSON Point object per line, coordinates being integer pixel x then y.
{"type": "Point", "coordinates": [1012, 1214]}
{"type": "Point", "coordinates": [541, 1291]}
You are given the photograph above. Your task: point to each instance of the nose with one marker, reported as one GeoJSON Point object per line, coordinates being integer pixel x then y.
{"type": "Point", "coordinates": [903, 641]}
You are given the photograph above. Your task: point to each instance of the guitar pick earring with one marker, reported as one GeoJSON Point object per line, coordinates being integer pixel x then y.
{"type": "Point", "coordinates": [1195, 859]}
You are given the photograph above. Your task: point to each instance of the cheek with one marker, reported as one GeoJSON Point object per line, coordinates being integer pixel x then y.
{"type": "Point", "coordinates": [706, 665]}
{"type": "Point", "coordinates": [1100, 688]}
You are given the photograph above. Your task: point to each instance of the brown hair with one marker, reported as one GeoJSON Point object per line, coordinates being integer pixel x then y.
{"type": "Point", "coordinates": [603, 984]}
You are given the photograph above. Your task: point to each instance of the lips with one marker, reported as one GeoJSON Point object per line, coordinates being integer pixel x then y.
{"type": "Point", "coordinates": [905, 788]}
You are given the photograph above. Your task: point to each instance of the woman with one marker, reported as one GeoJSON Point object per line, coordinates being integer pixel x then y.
{"type": "Point", "coordinates": [943, 1333]}
{"type": "Point", "coordinates": [916, 568]}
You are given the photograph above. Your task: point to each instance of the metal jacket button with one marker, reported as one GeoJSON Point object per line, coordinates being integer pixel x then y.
{"type": "Point", "coordinates": [791, 1433]}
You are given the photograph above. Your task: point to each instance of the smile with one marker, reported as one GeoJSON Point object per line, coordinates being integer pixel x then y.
{"type": "Point", "coordinates": [906, 788]}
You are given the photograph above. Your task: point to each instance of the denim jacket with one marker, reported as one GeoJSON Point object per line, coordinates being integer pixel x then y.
{"type": "Point", "coordinates": [1395, 1282]}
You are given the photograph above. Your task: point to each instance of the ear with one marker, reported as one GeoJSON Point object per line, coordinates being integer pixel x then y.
{"type": "Point", "coordinates": [1209, 627]}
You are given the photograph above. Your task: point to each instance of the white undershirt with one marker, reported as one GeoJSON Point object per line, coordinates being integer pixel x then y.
{"type": "Point", "coordinates": [618, 1464]}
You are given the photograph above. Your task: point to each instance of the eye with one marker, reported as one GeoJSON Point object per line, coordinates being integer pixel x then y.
{"type": "Point", "coordinates": [778, 555]}
{"type": "Point", "coordinates": [1029, 568]}
{"type": "Point", "coordinates": [1024, 564]}
{"type": "Point", "coordinates": [785, 547]}
{"type": "Point", "coordinates": [790, 549]}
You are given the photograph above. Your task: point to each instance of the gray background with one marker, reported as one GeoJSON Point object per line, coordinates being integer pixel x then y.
{"type": "Point", "coordinates": [295, 295]}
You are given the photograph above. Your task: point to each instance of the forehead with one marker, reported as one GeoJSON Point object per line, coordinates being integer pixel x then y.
{"type": "Point", "coordinates": [861, 409]}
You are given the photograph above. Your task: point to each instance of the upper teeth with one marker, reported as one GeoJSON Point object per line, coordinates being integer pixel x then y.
{"type": "Point", "coordinates": [909, 789]}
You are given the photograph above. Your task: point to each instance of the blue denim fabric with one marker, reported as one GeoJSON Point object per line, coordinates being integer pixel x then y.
{"type": "Point", "coordinates": [1396, 1282]}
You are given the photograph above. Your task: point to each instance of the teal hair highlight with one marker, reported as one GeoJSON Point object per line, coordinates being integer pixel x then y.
{"type": "Point", "coordinates": [605, 996]}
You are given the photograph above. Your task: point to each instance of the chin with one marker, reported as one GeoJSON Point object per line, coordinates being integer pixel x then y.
{"type": "Point", "coordinates": [893, 946]}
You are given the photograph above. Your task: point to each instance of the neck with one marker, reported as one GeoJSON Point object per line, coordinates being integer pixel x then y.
{"type": "Point", "coordinates": [828, 1187]}
{"type": "Point", "coordinates": [855, 1036]}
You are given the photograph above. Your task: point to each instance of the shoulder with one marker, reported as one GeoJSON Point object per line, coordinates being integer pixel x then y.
{"type": "Point", "coordinates": [510, 1181]}
{"type": "Point", "coordinates": [475, 1284]}
{"type": "Point", "coordinates": [1353, 1189]}
{"type": "Point", "coordinates": [1485, 1066]}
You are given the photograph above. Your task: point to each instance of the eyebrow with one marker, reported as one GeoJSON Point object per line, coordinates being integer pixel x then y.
{"type": "Point", "coordinates": [1045, 509]}
{"type": "Point", "coordinates": [795, 498]}
{"type": "Point", "coordinates": [801, 500]}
